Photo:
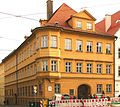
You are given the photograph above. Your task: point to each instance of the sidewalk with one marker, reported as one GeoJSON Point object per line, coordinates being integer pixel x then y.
{"type": "Point", "coordinates": [12, 106]}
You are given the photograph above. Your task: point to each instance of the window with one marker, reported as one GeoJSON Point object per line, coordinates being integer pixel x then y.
{"type": "Point", "coordinates": [89, 68]}
{"type": "Point", "coordinates": [99, 88]}
{"type": "Point", "coordinates": [53, 41]}
{"type": "Point", "coordinates": [45, 66]}
{"type": "Point", "coordinates": [38, 67]}
{"type": "Point", "coordinates": [108, 88]}
{"type": "Point", "coordinates": [79, 45]}
{"type": "Point", "coordinates": [79, 67]}
{"type": "Point", "coordinates": [119, 53]}
{"type": "Point", "coordinates": [53, 65]}
{"type": "Point", "coordinates": [68, 44]}
{"type": "Point", "coordinates": [68, 66]}
{"type": "Point", "coordinates": [71, 92]}
{"type": "Point", "coordinates": [89, 25]}
{"type": "Point", "coordinates": [57, 88]}
{"type": "Point", "coordinates": [118, 70]}
{"type": "Point", "coordinates": [40, 89]}
{"type": "Point", "coordinates": [99, 68]}
{"type": "Point", "coordinates": [89, 46]}
{"type": "Point", "coordinates": [99, 47]}
{"type": "Point", "coordinates": [108, 49]}
{"type": "Point", "coordinates": [79, 24]}
{"type": "Point", "coordinates": [108, 69]}
{"type": "Point", "coordinates": [44, 41]}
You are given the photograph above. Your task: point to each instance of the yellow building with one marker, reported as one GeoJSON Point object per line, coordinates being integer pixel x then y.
{"type": "Point", "coordinates": [2, 82]}
{"type": "Point", "coordinates": [64, 55]}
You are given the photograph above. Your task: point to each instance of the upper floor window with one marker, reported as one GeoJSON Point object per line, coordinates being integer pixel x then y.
{"type": "Point", "coordinates": [108, 48]}
{"type": "Point", "coordinates": [99, 47]}
{"type": "Point", "coordinates": [68, 66]}
{"type": "Point", "coordinates": [118, 70]}
{"type": "Point", "coordinates": [44, 41]}
{"type": "Point", "coordinates": [119, 53]}
{"type": "Point", "coordinates": [79, 45]}
{"type": "Point", "coordinates": [89, 46]}
{"type": "Point", "coordinates": [53, 41]}
{"type": "Point", "coordinates": [108, 88]}
{"type": "Point", "coordinates": [53, 65]}
{"type": "Point", "coordinates": [89, 25]}
{"type": "Point", "coordinates": [99, 88]}
{"type": "Point", "coordinates": [108, 69]}
{"type": "Point", "coordinates": [45, 66]}
{"type": "Point", "coordinates": [89, 68]}
{"type": "Point", "coordinates": [99, 68]}
{"type": "Point", "coordinates": [79, 67]}
{"type": "Point", "coordinates": [79, 24]}
{"type": "Point", "coordinates": [68, 44]}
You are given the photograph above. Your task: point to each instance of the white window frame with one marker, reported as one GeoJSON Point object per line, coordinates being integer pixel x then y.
{"type": "Point", "coordinates": [53, 65]}
{"type": "Point", "coordinates": [108, 69]}
{"type": "Point", "coordinates": [99, 47]}
{"type": "Point", "coordinates": [57, 88]}
{"type": "Point", "coordinates": [68, 66]}
{"type": "Point", "coordinates": [79, 45]}
{"type": "Point", "coordinates": [79, 24]}
{"type": "Point", "coordinates": [108, 48]}
{"type": "Point", "coordinates": [109, 88]}
{"type": "Point", "coordinates": [99, 68]}
{"type": "Point", "coordinates": [89, 68]}
{"type": "Point", "coordinates": [68, 44]}
{"type": "Point", "coordinates": [89, 46]}
{"type": "Point", "coordinates": [89, 26]}
{"type": "Point", "coordinates": [79, 67]}
{"type": "Point", "coordinates": [45, 65]}
{"type": "Point", "coordinates": [44, 41]}
{"type": "Point", "coordinates": [99, 88]}
{"type": "Point", "coordinates": [53, 41]}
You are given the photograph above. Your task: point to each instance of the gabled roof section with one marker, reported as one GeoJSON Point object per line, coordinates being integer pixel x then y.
{"type": "Point", "coordinates": [115, 24]}
{"type": "Point", "coordinates": [61, 15]}
{"type": "Point", "coordinates": [84, 14]}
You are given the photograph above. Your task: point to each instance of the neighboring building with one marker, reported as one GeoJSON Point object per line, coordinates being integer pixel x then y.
{"type": "Point", "coordinates": [111, 25]}
{"type": "Point", "coordinates": [64, 55]}
{"type": "Point", "coordinates": [2, 82]}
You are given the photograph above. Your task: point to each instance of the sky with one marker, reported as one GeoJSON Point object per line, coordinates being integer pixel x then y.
{"type": "Point", "coordinates": [18, 17]}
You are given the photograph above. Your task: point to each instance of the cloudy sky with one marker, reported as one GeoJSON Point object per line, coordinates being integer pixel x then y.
{"type": "Point", "coordinates": [18, 17]}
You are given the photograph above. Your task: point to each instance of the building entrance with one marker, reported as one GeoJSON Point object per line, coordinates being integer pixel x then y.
{"type": "Point", "coordinates": [84, 91]}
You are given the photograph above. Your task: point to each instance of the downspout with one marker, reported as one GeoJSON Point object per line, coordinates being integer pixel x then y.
{"type": "Point", "coordinates": [114, 60]}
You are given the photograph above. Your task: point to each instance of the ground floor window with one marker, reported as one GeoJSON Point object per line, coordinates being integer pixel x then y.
{"type": "Point", "coordinates": [57, 88]}
{"type": "Point", "coordinates": [71, 91]}
{"type": "Point", "coordinates": [99, 88]}
{"type": "Point", "coordinates": [108, 88]}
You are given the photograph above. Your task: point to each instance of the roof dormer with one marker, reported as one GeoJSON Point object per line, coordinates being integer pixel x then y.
{"type": "Point", "coordinates": [82, 21]}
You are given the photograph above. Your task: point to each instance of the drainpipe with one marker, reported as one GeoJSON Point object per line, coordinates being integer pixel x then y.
{"type": "Point", "coordinates": [114, 61]}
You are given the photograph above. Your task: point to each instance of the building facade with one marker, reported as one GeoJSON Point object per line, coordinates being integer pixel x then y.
{"type": "Point", "coordinates": [111, 25]}
{"type": "Point", "coordinates": [64, 55]}
{"type": "Point", "coordinates": [2, 82]}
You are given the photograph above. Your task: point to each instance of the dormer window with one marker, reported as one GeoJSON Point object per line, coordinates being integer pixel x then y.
{"type": "Point", "coordinates": [89, 26]}
{"type": "Point", "coordinates": [79, 24]}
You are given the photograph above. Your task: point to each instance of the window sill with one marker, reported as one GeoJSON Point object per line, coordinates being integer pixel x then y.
{"type": "Point", "coordinates": [54, 47]}
{"type": "Point", "coordinates": [44, 47]}
{"type": "Point", "coordinates": [78, 51]}
{"type": "Point", "coordinates": [68, 50]}
{"type": "Point", "coordinates": [99, 52]}
{"type": "Point", "coordinates": [89, 52]}
{"type": "Point", "coordinates": [108, 53]}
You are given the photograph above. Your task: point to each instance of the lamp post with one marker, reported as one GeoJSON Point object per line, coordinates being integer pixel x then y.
{"type": "Point", "coordinates": [35, 92]}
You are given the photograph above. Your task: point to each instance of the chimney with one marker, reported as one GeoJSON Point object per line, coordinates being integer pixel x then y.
{"type": "Point", "coordinates": [49, 8]}
{"type": "Point", "coordinates": [107, 22]}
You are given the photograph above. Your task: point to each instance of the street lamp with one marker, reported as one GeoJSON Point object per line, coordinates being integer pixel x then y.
{"type": "Point", "coordinates": [35, 92]}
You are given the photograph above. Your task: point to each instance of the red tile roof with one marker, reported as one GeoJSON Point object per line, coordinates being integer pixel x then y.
{"type": "Point", "coordinates": [61, 15]}
{"type": "Point", "coordinates": [114, 25]}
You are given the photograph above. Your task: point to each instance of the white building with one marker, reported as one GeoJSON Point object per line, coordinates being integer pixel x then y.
{"type": "Point", "coordinates": [111, 25]}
